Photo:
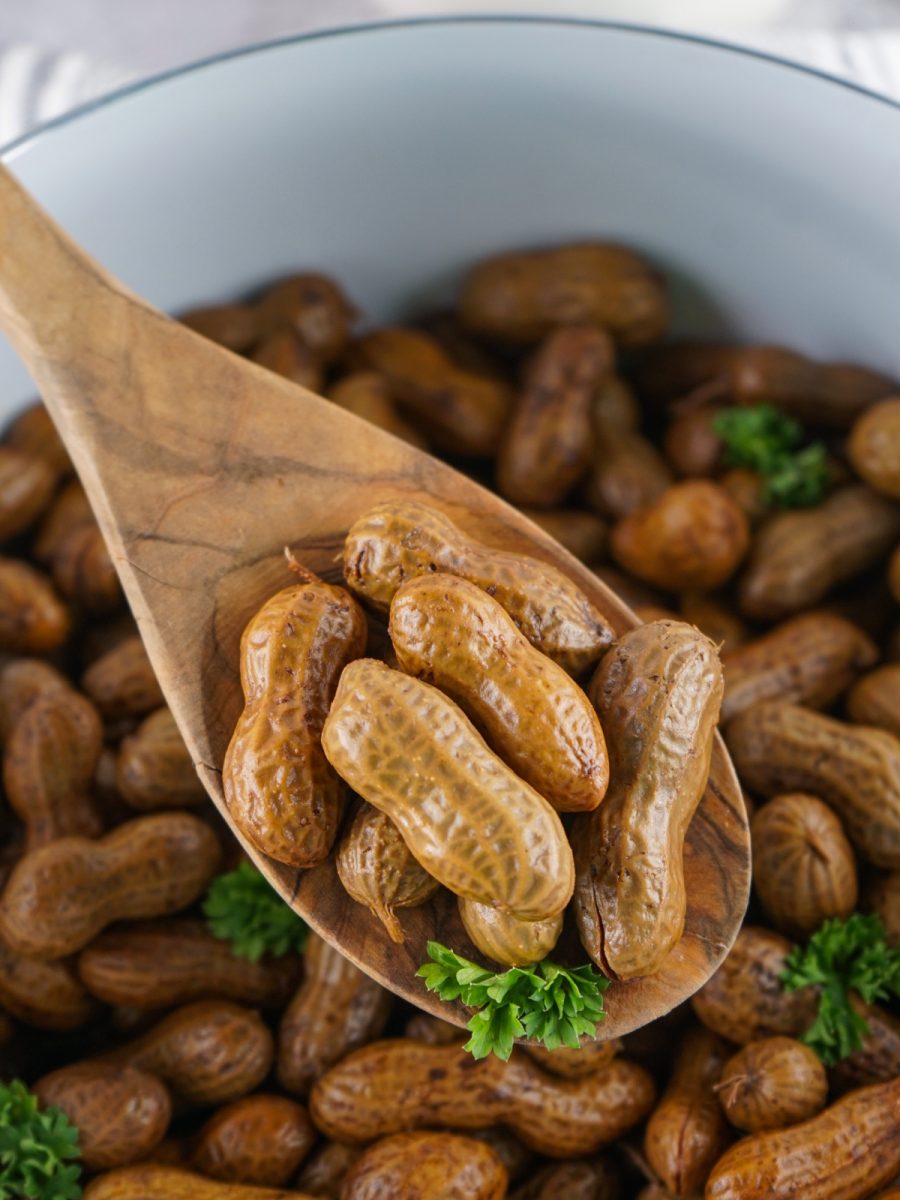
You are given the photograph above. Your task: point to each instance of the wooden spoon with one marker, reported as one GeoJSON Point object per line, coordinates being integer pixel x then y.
{"type": "Point", "coordinates": [201, 467]}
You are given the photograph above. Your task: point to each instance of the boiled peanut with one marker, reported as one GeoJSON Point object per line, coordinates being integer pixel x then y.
{"type": "Point", "coordinates": [279, 788]}
{"type": "Point", "coordinates": [804, 870]}
{"type": "Point", "coordinates": [548, 444]}
{"type": "Point", "coordinates": [875, 699]}
{"type": "Point", "coordinates": [856, 770]}
{"type": "Point", "coordinates": [366, 395]}
{"type": "Point", "coordinates": [799, 556]}
{"type": "Point", "coordinates": [629, 472]}
{"type": "Point", "coordinates": [517, 1158]}
{"type": "Point", "coordinates": [260, 1139]}
{"type": "Point", "coordinates": [715, 617]}
{"type": "Point", "coordinates": [874, 447]}
{"type": "Point", "coordinates": [465, 350]}
{"type": "Point", "coordinates": [283, 353]}
{"type": "Point", "coordinates": [451, 633]}
{"type": "Point", "coordinates": [808, 660]}
{"type": "Point", "coordinates": [60, 896]}
{"type": "Point", "coordinates": [844, 1153]}
{"type": "Point", "coordinates": [120, 1113]}
{"type": "Point", "coordinates": [160, 964]}
{"type": "Point", "coordinates": [521, 297]}
{"type": "Point", "coordinates": [45, 995]}
{"type": "Point", "coordinates": [377, 869]}
{"type": "Point", "coordinates": [691, 443]}
{"type": "Point", "coordinates": [578, 1179]}
{"type": "Point", "coordinates": [507, 939]}
{"type": "Point", "coordinates": [26, 484]}
{"type": "Point", "coordinates": [426, 1166]}
{"type": "Point", "coordinates": [391, 1086]}
{"type": "Point", "coordinates": [34, 433]}
{"type": "Point", "coordinates": [422, 1027]}
{"type": "Point", "coordinates": [461, 412]}
{"type": "Point", "coordinates": [122, 682]}
{"type": "Point", "coordinates": [883, 897]}
{"type": "Point", "coordinates": [748, 490]}
{"type": "Point", "coordinates": [324, 1172]}
{"type": "Point", "coordinates": [22, 681]}
{"type": "Point", "coordinates": [745, 999]}
{"type": "Point", "coordinates": [402, 539]}
{"type": "Point", "coordinates": [314, 307]}
{"type": "Point", "coordinates": [692, 536]}
{"type": "Point", "coordinates": [154, 768]}
{"type": "Point", "coordinates": [206, 1053]}
{"type": "Point", "coordinates": [151, 1182]}
{"type": "Point", "coordinates": [33, 619]}
{"type": "Point", "coordinates": [656, 1191]}
{"type": "Point", "coordinates": [69, 511]}
{"type": "Point", "coordinates": [336, 1009]}
{"type": "Point", "coordinates": [589, 1058]}
{"type": "Point", "coordinates": [657, 693]}
{"type": "Point", "coordinates": [772, 1083]}
{"type": "Point", "coordinates": [380, 717]}
{"type": "Point", "coordinates": [878, 1058]}
{"type": "Point", "coordinates": [84, 572]}
{"type": "Point", "coordinates": [234, 326]}
{"type": "Point", "coordinates": [583, 534]}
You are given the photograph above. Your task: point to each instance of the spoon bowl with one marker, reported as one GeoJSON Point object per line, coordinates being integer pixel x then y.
{"type": "Point", "coordinates": [201, 468]}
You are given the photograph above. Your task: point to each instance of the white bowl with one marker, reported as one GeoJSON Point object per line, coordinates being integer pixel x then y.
{"type": "Point", "coordinates": [393, 156]}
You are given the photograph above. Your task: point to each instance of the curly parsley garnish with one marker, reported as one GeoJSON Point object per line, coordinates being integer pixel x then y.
{"type": "Point", "coordinates": [242, 908]}
{"type": "Point", "coordinates": [765, 440]}
{"type": "Point", "coordinates": [36, 1149]}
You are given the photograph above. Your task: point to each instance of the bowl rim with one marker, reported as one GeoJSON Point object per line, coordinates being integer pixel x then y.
{"type": "Point", "coordinates": [147, 82]}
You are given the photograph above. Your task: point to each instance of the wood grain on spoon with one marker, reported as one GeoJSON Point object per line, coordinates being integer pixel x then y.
{"type": "Point", "coordinates": [201, 467]}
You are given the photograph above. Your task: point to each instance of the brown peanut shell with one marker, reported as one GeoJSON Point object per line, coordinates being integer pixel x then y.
{"type": "Point", "coordinates": [34, 433]}
{"type": "Point", "coordinates": [367, 395]}
{"type": "Point", "coordinates": [578, 1179]}
{"type": "Point", "coordinates": [873, 447]}
{"type": "Point", "coordinates": [122, 683]}
{"type": "Point", "coordinates": [772, 1083]}
{"type": "Point", "coordinates": [260, 1139]}
{"type": "Point", "coordinates": [412, 1166]}
{"type": "Point", "coordinates": [583, 534]}
{"type": "Point", "coordinates": [324, 1171]}
{"type": "Point", "coordinates": [314, 307]}
{"type": "Point", "coordinates": [507, 939]}
{"type": "Point", "coordinates": [875, 699]}
{"type": "Point", "coordinates": [151, 1182]}
{"type": "Point", "coordinates": [44, 995]}
{"type": "Point", "coordinates": [283, 353]}
{"type": "Point", "coordinates": [33, 619]}
{"type": "Point", "coordinates": [27, 483]}
{"type": "Point", "coordinates": [154, 769]}
{"type": "Point", "coordinates": [882, 896]}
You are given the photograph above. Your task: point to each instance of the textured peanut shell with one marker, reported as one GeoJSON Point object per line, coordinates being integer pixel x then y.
{"type": "Point", "coordinates": [48, 767]}
{"type": "Point", "coordinates": [69, 511]}
{"type": "Point", "coordinates": [578, 1179]}
{"type": "Point", "coordinates": [367, 395]}
{"type": "Point", "coordinates": [657, 693]}
{"type": "Point", "coordinates": [452, 634]}
{"type": "Point", "coordinates": [714, 615]}
{"type": "Point", "coordinates": [423, 1027]}
{"type": "Point", "coordinates": [844, 1153]}
{"type": "Point", "coordinates": [22, 681]}
{"type": "Point", "coordinates": [810, 659]}
{"type": "Point", "coordinates": [314, 307]}
{"type": "Point", "coordinates": [422, 1166]}
{"type": "Point", "coordinates": [521, 297]}
{"type": "Point", "coordinates": [121, 682]}
{"type": "Point", "coordinates": [882, 896]}
{"type": "Point", "coordinates": [878, 1058]}
{"type": "Point", "coordinates": [874, 447]}
{"type": "Point", "coordinates": [395, 1085]}
{"type": "Point", "coordinates": [461, 411]}
{"type": "Point", "coordinates": [161, 964]}
{"type": "Point", "coordinates": [744, 999]}
{"type": "Point", "coordinates": [691, 443]}
{"type": "Point", "coordinates": [279, 788]}
{"type": "Point", "coordinates": [589, 1058]}
{"type": "Point", "coordinates": [151, 1182]}
{"type": "Point", "coordinates": [120, 1113]}
{"type": "Point", "coordinates": [44, 995]}
{"type": "Point", "coordinates": [399, 540]}
{"type": "Point", "coordinates": [283, 353]}
{"type": "Point", "coordinates": [154, 769]}
{"type": "Point", "coordinates": [804, 869]}
{"type": "Point", "coordinates": [856, 770]}
{"type": "Point", "coordinates": [875, 699]}
{"type": "Point", "coordinates": [60, 896]}
{"type": "Point", "coordinates": [84, 572]}
{"type": "Point", "coordinates": [799, 556]}
{"type": "Point", "coordinates": [231, 325]}
{"type": "Point", "coordinates": [336, 1009]}
{"type": "Point", "coordinates": [583, 534]}
{"type": "Point", "coordinates": [687, 1131]}
{"type": "Point", "coordinates": [206, 1053]}
{"type": "Point", "coordinates": [518, 1159]}
{"type": "Point", "coordinates": [549, 443]}
{"type": "Point", "coordinates": [260, 1139]}
{"type": "Point", "coordinates": [26, 486]}
{"type": "Point", "coordinates": [377, 869]}
{"type": "Point", "coordinates": [747, 489]}
{"type": "Point", "coordinates": [772, 1083]}
{"type": "Point", "coordinates": [692, 536]}
{"type": "Point", "coordinates": [34, 433]}
{"type": "Point", "coordinates": [507, 939]}
{"type": "Point", "coordinates": [324, 1171]}
{"type": "Point", "coordinates": [380, 721]}
{"type": "Point", "coordinates": [33, 619]}
{"type": "Point", "coordinates": [629, 472]}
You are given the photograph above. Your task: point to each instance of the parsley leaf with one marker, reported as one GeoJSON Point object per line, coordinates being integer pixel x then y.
{"type": "Point", "coordinates": [242, 908]}
{"type": "Point", "coordinates": [35, 1148]}
{"type": "Point", "coordinates": [840, 958]}
{"type": "Point", "coordinates": [551, 1004]}
{"type": "Point", "coordinates": [765, 440]}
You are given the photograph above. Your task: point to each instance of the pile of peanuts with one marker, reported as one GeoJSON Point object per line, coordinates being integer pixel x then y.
{"type": "Point", "coordinates": [191, 1073]}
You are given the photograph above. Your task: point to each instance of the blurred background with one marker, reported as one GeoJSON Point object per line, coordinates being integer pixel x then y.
{"type": "Point", "coordinates": [55, 54]}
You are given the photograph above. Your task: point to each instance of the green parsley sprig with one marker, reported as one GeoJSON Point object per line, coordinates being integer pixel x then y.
{"type": "Point", "coordinates": [241, 908]}
{"type": "Point", "coordinates": [765, 440]}
{"type": "Point", "coordinates": [554, 1005]}
{"type": "Point", "coordinates": [840, 958]}
{"type": "Point", "coordinates": [36, 1149]}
